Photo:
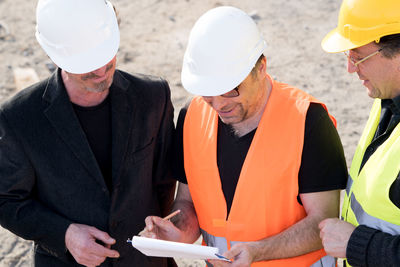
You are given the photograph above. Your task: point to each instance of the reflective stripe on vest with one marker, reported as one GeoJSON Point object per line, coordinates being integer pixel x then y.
{"type": "Point", "coordinates": [367, 198]}
{"type": "Point", "coordinates": [326, 261]}
{"type": "Point", "coordinates": [371, 221]}
{"type": "Point", "coordinates": [346, 200]}
{"type": "Point", "coordinates": [265, 200]}
{"type": "Point", "coordinates": [215, 241]}
{"type": "Point", "coordinates": [349, 184]}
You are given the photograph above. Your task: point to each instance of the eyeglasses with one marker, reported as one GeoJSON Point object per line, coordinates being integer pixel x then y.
{"type": "Point", "coordinates": [232, 93]}
{"type": "Point", "coordinates": [358, 62]}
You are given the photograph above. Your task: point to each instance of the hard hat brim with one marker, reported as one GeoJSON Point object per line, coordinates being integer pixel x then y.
{"type": "Point", "coordinates": [334, 42]}
{"type": "Point", "coordinates": [210, 86]}
{"type": "Point", "coordinates": [92, 59]}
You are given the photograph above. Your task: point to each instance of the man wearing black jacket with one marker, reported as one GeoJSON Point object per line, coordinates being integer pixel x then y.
{"type": "Point", "coordinates": [369, 232]}
{"type": "Point", "coordinates": [84, 153]}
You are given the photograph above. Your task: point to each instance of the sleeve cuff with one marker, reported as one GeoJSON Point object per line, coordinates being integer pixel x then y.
{"type": "Point", "coordinates": [357, 246]}
{"type": "Point", "coordinates": [55, 243]}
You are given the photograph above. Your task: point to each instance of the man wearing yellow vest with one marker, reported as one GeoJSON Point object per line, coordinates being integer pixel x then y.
{"type": "Point", "coordinates": [369, 233]}
{"type": "Point", "coordinates": [263, 163]}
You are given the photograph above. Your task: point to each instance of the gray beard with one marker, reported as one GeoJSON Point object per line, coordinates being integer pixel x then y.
{"type": "Point", "coordinates": [101, 87]}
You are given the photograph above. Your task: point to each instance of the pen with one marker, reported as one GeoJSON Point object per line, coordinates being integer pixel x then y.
{"type": "Point", "coordinates": [222, 257]}
{"type": "Point", "coordinates": [166, 218]}
{"type": "Point", "coordinates": [171, 215]}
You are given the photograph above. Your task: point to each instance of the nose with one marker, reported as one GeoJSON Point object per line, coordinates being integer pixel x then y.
{"type": "Point", "coordinates": [351, 68]}
{"type": "Point", "coordinates": [216, 102]}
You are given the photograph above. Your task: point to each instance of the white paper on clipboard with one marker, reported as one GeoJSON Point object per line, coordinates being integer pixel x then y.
{"type": "Point", "coordinates": [162, 248]}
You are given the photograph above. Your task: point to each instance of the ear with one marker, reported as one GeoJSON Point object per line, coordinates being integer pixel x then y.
{"type": "Point", "coordinates": [262, 71]}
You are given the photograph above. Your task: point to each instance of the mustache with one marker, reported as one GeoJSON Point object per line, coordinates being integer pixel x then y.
{"type": "Point", "coordinates": [91, 75]}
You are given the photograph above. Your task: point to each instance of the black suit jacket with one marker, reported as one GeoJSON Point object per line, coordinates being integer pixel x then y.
{"type": "Point", "coordinates": [49, 177]}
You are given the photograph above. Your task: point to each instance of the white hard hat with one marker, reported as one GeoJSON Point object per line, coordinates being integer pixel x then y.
{"type": "Point", "coordinates": [79, 36]}
{"type": "Point", "coordinates": [224, 46]}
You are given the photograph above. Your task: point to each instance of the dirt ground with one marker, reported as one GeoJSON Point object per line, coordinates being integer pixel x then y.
{"type": "Point", "coordinates": [153, 39]}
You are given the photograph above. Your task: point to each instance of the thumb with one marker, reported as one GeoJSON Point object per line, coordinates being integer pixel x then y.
{"type": "Point", "coordinates": [102, 236]}
{"type": "Point", "coordinates": [322, 224]}
{"type": "Point", "coordinates": [230, 254]}
{"type": "Point", "coordinates": [233, 252]}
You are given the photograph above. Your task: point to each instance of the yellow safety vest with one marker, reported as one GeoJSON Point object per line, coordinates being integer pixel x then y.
{"type": "Point", "coordinates": [367, 199]}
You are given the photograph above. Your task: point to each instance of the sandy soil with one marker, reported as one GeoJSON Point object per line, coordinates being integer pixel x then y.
{"type": "Point", "coordinates": [153, 38]}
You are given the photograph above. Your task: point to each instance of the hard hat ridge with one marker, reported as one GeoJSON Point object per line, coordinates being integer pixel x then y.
{"type": "Point", "coordinates": [79, 36]}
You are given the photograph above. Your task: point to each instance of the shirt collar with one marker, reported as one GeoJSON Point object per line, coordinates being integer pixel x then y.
{"type": "Point", "coordinates": [392, 104]}
{"type": "Point", "coordinates": [395, 107]}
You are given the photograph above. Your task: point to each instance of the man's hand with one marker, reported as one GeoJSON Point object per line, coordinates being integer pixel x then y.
{"type": "Point", "coordinates": [80, 240]}
{"type": "Point", "coordinates": [183, 227]}
{"type": "Point", "coordinates": [158, 228]}
{"type": "Point", "coordinates": [242, 254]}
{"type": "Point", "coordinates": [335, 235]}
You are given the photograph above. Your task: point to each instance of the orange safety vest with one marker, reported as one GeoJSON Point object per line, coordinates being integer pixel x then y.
{"type": "Point", "coordinates": [265, 200]}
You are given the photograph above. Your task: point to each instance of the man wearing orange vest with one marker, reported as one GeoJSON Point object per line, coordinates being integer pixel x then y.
{"type": "Point", "coordinates": [369, 232]}
{"type": "Point", "coordinates": [263, 163]}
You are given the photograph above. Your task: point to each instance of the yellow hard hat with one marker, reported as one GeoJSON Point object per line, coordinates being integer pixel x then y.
{"type": "Point", "coordinates": [361, 22]}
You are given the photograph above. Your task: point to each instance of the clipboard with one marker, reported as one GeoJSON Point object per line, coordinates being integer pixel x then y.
{"type": "Point", "coordinates": [162, 248]}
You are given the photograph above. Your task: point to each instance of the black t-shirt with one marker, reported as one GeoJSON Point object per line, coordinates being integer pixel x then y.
{"type": "Point", "coordinates": [323, 165]}
{"type": "Point", "coordinates": [96, 124]}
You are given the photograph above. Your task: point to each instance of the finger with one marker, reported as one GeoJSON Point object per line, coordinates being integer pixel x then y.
{"type": "Point", "coordinates": [95, 260]}
{"type": "Point", "coordinates": [147, 234]}
{"type": "Point", "coordinates": [149, 223]}
{"type": "Point", "coordinates": [89, 259]}
{"type": "Point", "coordinates": [232, 253]}
{"type": "Point", "coordinates": [143, 232]}
{"type": "Point", "coordinates": [102, 236]}
{"type": "Point", "coordinates": [157, 225]}
{"type": "Point", "coordinates": [163, 224]}
{"type": "Point", "coordinates": [102, 251]}
{"type": "Point", "coordinates": [322, 224]}
{"type": "Point", "coordinates": [149, 230]}
{"type": "Point", "coordinates": [212, 262]}
{"type": "Point", "coordinates": [218, 263]}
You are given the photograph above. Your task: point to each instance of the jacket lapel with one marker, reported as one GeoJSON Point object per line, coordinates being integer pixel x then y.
{"type": "Point", "coordinates": [62, 117]}
{"type": "Point", "coordinates": [122, 113]}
